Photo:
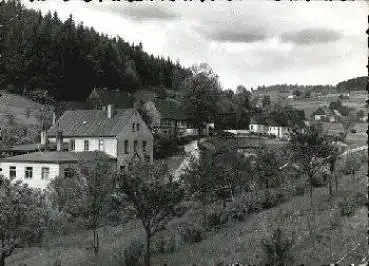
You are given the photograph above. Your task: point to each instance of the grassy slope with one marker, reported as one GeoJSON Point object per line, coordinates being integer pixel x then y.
{"type": "Point", "coordinates": [12, 104]}
{"type": "Point", "coordinates": [238, 242]}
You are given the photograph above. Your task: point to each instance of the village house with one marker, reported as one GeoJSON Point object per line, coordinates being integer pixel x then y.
{"type": "Point", "coordinates": [269, 129]}
{"type": "Point", "coordinates": [120, 134]}
{"type": "Point", "coordinates": [37, 169]}
{"type": "Point", "coordinates": [168, 117]}
{"type": "Point", "coordinates": [325, 114]}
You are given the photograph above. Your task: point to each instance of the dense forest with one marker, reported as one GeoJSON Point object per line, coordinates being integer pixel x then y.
{"type": "Point", "coordinates": [69, 59]}
{"type": "Point", "coordinates": [354, 84]}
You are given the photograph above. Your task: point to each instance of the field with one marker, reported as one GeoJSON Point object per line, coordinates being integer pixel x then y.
{"type": "Point", "coordinates": [343, 239]}
{"type": "Point", "coordinates": [353, 140]}
{"type": "Point", "coordinates": [357, 100]}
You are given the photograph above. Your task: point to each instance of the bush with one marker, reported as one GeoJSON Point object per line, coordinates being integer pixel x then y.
{"type": "Point", "coordinates": [164, 242]}
{"type": "Point", "coordinates": [347, 207]}
{"type": "Point", "coordinates": [353, 131]}
{"type": "Point", "coordinates": [214, 219]}
{"type": "Point", "coordinates": [133, 254]}
{"type": "Point", "coordinates": [361, 199]}
{"type": "Point", "coordinates": [299, 189]}
{"type": "Point", "coordinates": [189, 233]}
{"type": "Point", "coordinates": [269, 200]}
{"type": "Point", "coordinates": [165, 146]}
{"type": "Point", "coordinates": [278, 249]}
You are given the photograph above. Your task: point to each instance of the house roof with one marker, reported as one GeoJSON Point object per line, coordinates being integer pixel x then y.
{"type": "Point", "coordinates": [323, 111]}
{"type": "Point", "coordinates": [170, 109]}
{"type": "Point", "coordinates": [34, 147]}
{"type": "Point", "coordinates": [92, 123]}
{"type": "Point", "coordinates": [119, 99]}
{"type": "Point", "coordinates": [53, 157]}
{"type": "Point", "coordinates": [144, 95]}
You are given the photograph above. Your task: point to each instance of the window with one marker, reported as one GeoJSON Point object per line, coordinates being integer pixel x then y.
{"type": "Point", "coordinates": [122, 168]}
{"type": "Point", "coordinates": [86, 145]}
{"type": "Point", "coordinates": [138, 127]}
{"type": "Point", "coordinates": [45, 172]}
{"type": "Point", "coordinates": [28, 172]}
{"type": "Point", "coordinates": [133, 127]}
{"type": "Point", "coordinates": [101, 145]}
{"type": "Point", "coordinates": [12, 172]}
{"type": "Point", "coordinates": [147, 158]}
{"type": "Point", "coordinates": [251, 127]}
{"type": "Point", "coordinates": [68, 172]}
{"type": "Point", "coordinates": [144, 144]}
{"type": "Point", "coordinates": [135, 146]}
{"type": "Point", "coordinates": [126, 147]}
{"type": "Point", "coordinates": [72, 144]}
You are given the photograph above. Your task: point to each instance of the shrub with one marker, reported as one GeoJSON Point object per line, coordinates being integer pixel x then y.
{"type": "Point", "coordinates": [361, 199]}
{"type": "Point", "coordinates": [347, 207]}
{"type": "Point", "coordinates": [189, 233]}
{"type": "Point", "coordinates": [278, 249]}
{"type": "Point", "coordinates": [133, 254]}
{"type": "Point", "coordinates": [269, 200]}
{"type": "Point", "coordinates": [164, 242]}
{"type": "Point", "coordinates": [353, 131]}
{"type": "Point", "coordinates": [214, 219]}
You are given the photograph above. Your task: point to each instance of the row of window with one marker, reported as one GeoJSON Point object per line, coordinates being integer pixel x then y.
{"type": "Point", "coordinates": [86, 145]}
{"type": "Point", "coordinates": [135, 146]}
{"type": "Point", "coordinates": [45, 172]}
{"type": "Point", "coordinates": [28, 172]}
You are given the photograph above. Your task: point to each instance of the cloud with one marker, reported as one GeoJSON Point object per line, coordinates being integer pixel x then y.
{"type": "Point", "coordinates": [311, 36]}
{"type": "Point", "coordinates": [147, 12]}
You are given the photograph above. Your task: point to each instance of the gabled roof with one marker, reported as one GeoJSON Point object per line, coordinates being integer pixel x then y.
{"type": "Point", "coordinates": [92, 123]}
{"type": "Point", "coordinates": [323, 111]}
{"type": "Point", "coordinates": [119, 99]}
{"type": "Point", "coordinates": [170, 109]}
{"type": "Point", "coordinates": [53, 157]}
{"type": "Point", "coordinates": [34, 147]}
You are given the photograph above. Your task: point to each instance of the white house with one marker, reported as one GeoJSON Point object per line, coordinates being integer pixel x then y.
{"type": "Point", "coordinates": [38, 168]}
{"type": "Point", "coordinates": [121, 134]}
{"type": "Point", "coordinates": [278, 131]}
{"type": "Point", "coordinates": [290, 96]}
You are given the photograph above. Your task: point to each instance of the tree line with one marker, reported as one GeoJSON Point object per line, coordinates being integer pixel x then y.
{"type": "Point", "coordinates": [69, 59]}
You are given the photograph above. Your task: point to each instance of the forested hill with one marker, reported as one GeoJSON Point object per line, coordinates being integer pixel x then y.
{"type": "Point", "coordinates": [69, 59]}
{"type": "Point", "coordinates": [354, 84]}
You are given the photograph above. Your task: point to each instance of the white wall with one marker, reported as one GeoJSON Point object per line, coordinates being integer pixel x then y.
{"type": "Point", "coordinates": [143, 134]}
{"type": "Point", "coordinates": [110, 144]}
{"type": "Point", "coordinates": [36, 181]}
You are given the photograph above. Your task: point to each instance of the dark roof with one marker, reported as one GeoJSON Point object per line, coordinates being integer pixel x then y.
{"type": "Point", "coordinates": [170, 109]}
{"type": "Point", "coordinates": [144, 95]}
{"type": "Point", "coordinates": [34, 147]}
{"type": "Point", "coordinates": [119, 99]}
{"type": "Point", "coordinates": [53, 157]}
{"type": "Point", "coordinates": [92, 123]}
{"type": "Point", "coordinates": [323, 111]}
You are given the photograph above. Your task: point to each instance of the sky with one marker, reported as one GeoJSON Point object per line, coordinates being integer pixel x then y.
{"type": "Point", "coordinates": [252, 43]}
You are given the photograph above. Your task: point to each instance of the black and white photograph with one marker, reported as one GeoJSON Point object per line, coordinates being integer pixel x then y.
{"type": "Point", "coordinates": [183, 133]}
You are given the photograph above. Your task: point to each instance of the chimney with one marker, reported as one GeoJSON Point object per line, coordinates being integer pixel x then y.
{"type": "Point", "coordinates": [109, 111]}
{"type": "Point", "coordinates": [54, 118]}
{"type": "Point", "coordinates": [43, 138]}
{"type": "Point", "coordinates": [59, 140]}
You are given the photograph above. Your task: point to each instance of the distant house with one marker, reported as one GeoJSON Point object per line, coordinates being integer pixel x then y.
{"type": "Point", "coordinates": [168, 117]}
{"type": "Point", "coordinates": [37, 169]}
{"type": "Point", "coordinates": [100, 98]}
{"type": "Point", "coordinates": [261, 127]}
{"type": "Point", "coordinates": [325, 114]}
{"type": "Point", "coordinates": [121, 134]}
{"type": "Point", "coordinates": [291, 96]}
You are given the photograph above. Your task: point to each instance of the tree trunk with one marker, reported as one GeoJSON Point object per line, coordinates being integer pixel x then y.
{"type": "Point", "coordinates": [96, 241]}
{"type": "Point", "coordinates": [2, 260]}
{"type": "Point", "coordinates": [330, 184]}
{"type": "Point", "coordinates": [336, 181]}
{"type": "Point", "coordinates": [148, 250]}
{"type": "Point", "coordinates": [311, 189]}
